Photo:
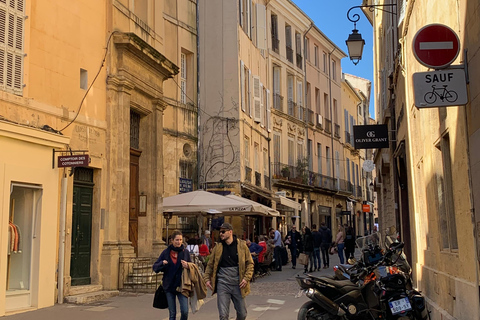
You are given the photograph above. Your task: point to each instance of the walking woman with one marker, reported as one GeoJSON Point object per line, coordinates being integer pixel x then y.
{"type": "Point", "coordinates": [339, 242]}
{"type": "Point", "coordinates": [308, 247]}
{"type": "Point", "coordinates": [171, 262]}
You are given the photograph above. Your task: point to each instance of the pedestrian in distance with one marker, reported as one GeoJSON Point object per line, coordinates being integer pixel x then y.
{"type": "Point", "coordinates": [206, 239]}
{"type": "Point", "coordinates": [339, 242]}
{"type": "Point", "coordinates": [349, 243]}
{"type": "Point", "coordinates": [326, 235]}
{"type": "Point", "coordinates": [229, 272]}
{"type": "Point", "coordinates": [317, 242]}
{"type": "Point", "coordinates": [308, 247]}
{"type": "Point", "coordinates": [171, 262]}
{"type": "Point", "coordinates": [277, 253]}
{"type": "Point", "coordinates": [295, 243]}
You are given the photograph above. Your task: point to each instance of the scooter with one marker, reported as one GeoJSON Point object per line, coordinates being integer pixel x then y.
{"type": "Point", "coordinates": [387, 297]}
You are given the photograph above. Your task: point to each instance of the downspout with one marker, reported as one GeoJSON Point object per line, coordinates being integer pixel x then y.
{"type": "Point", "coordinates": [61, 246]}
{"type": "Point", "coordinates": [308, 223]}
{"type": "Point", "coordinates": [199, 141]}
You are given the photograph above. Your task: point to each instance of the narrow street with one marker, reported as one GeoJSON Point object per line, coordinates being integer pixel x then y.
{"type": "Point", "coordinates": [271, 297]}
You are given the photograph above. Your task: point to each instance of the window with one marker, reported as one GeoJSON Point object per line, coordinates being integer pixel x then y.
{"type": "Point", "coordinates": [329, 164]}
{"type": "Point", "coordinates": [83, 79]}
{"type": "Point", "coordinates": [245, 16]}
{"type": "Point", "coordinates": [444, 194]}
{"type": "Point", "coordinates": [186, 169]}
{"type": "Point", "coordinates": [319, 157]}
{"type": "Point", "coordinates": [265, 162]}
{"type": "Point", "coordinates": [334, 70]}
{"type": "Point", "coordinates": [291, 152]}
{"type": "Point", "coordinates": [348, 170]}
{"type": "Point", "coordinates": [246, 142]}
{"type": "Point", "coordinates": [307, 49]}
{"type": "Point", "coordinates": [12, 22]}
{"type": "Point", "coordinates": [276, 149]}
{"type": "Point", "coordinates": [325, 62]}
{"type": "Point", "coordinates": [310, 154]}
{"type": "Point", "coordinates": [290, 95]}
{"type": "Point", "coordinates": [360, 109]}
{"type": "Point", "coordinates": [300, 153]}
{"type": "Point", "coordinates": [260, 28]}
{"type": "Point", "coordinates": [315, 55]}
{"type": "Point", "coordinates": [326, 106]}
{"type": "Point", "coordinates": [337, 168]}
{"type": "Point", "coordinates": [277, 97]}
{"type": "Point", "coordinates": [245, 88]}
{"type": "Point", "coordinates": [275, 40]}
{"type": "Point", "coordinates": [288, 42]}
{"type": "Point", "coordinates": [308, 103]}
{"type": "Point", "coordinates": [134, 130]}
{"type": "Point", "coordinates": [317, 101]}
{"type": "Point", "coordinates": [298, 49]}
{"type": "Point", "coordinates": [183, 78]}
{"type": "Point", "coordinates": [335, 112]}
{"type": "Point", "coordinates": [256, 157]}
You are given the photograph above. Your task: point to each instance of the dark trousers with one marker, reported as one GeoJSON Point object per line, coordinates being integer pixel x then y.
{"type": "Point", "coordinates": [277, 254]}
{"type": "Point", "coordinates": [293, 251]}
{"type": "Point", "coordinates": [325, 254]}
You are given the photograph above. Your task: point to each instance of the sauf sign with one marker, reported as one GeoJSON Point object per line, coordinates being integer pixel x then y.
{"type": "Point", "coordinates": [370, 136]}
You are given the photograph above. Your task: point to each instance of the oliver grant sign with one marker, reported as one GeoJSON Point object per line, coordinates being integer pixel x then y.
{"type": "Point", "coordinates": [370, 136]}
{"type": "Point", "coordinates": [73, 161]}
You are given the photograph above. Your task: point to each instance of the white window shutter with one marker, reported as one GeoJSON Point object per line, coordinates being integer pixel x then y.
{"type": "Point", "coordinates": [242, 85]}
{"type": "Point", "coordinates": [257, 116]}
{"type": "Point", "coordinates": [250, 89]}
{"type": "Point", "coordinates": [268, 122]}
{"type": "Point", "coordinates": [300, 93]}
{"type": "Point", "coordinates": [261, 27]}
{"type": "Point", "coordinates": [262, 106]}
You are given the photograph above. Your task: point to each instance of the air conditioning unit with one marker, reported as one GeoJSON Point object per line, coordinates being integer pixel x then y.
{"type": "Point", "coordinates": [319, 120]}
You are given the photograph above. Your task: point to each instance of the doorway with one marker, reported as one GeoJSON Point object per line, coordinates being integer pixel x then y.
{"type": "Point", "coordinates": [81, 249]}
{"type": "Point", "coordinates": [134, 198]}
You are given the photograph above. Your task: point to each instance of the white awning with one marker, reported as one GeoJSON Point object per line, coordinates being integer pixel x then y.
{"type": "Point", "coordinates": [289, 203]}
{"type": "Point", "coordinates": [256, 207]}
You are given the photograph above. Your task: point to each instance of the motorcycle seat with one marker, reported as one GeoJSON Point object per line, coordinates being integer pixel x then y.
{"type": "Point", "coordinates": [341, 285]}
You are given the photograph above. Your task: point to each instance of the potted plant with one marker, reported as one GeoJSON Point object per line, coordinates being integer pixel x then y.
{"type": "Point", "coordinates": [285, 172]}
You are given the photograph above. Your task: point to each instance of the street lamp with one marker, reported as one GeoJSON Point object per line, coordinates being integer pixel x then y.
{"type": "Point", "coordinates": [167, 215]}
{"type": "Point", "coordinates": [355, 41]}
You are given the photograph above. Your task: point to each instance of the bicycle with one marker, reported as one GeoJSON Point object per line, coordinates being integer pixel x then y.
{"type": "Point", "coordinates": [442, 93]}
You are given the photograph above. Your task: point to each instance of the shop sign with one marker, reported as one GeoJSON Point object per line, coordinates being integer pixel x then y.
{"type": "Point", "coordinates": [185, 185]}
{"type": "Point", "coordinates": [370, 136]}
{"type": "Point", "coordinates": [73, 161]}
{"type": "Point", "coordinates": [366, 208]}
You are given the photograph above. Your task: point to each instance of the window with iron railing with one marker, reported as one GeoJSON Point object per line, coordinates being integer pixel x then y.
{"type": "Point", "coordinates": [328, 125]}
{"type": "Point", "coordinates": [289, 54]}
{"type": "Point", "coordinates": [337, 131]}
{"type": "Point", "coordinates": [310, 117]}
{"type": "Point", "coordinates": [277, 101]}
{"type": "Point", "coordinates": [248, 174]}
{"type": "Point", "coordinates": [258, 179]}
{"type": "Point", "coordinates": [299, 61]}
{"type": "Point", "coordinates": [291, 108]}
{"type": "Point", "coordinates": [347, 137]}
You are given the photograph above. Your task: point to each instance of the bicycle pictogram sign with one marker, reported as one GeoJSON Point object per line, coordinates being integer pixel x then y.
{"type": "Point", "coordinates": [442, 93]}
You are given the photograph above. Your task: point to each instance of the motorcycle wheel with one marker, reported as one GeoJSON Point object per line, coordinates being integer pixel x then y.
{"type": "Point", "coordinates": [311, 311]}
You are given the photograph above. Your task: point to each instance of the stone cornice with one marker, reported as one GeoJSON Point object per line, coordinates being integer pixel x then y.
{"type": "Point", "coordinates": [120, 83]}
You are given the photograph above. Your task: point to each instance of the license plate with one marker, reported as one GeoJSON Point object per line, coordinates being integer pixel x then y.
{"type": "Point", "coordinates": [400, 305]}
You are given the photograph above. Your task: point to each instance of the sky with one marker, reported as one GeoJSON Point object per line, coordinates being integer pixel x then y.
{"type": "Point", "coordinates": [331, 18]}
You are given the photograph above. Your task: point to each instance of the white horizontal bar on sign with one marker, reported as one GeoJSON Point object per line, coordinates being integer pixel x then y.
{"type": "Point", "coordinates": [439, 45]}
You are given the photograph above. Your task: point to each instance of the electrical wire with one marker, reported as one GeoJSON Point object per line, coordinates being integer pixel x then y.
{"type": "Point", "coordinates": [93, 82]}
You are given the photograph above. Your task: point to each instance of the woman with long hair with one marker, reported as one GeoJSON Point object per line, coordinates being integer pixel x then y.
{"type": "Point", "coordinates": [171, 262]}
{"type": "Point", "coordinates": [339, 242]}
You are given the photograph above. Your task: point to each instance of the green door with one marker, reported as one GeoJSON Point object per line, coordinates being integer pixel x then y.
{"type": "Point", "coordinates": [81, 233]}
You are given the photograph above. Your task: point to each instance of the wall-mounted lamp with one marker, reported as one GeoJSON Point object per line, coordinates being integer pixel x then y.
{"type": "Point", "coordinates": [355, 41]}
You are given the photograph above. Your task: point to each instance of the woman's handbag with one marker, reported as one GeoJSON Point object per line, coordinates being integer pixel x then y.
{"type": "Point", "coordinates": [303, 259]}
{"type": "Point", "coordinates": [333, 250]}
{"type": "Point", "coordinates": [160, 299]}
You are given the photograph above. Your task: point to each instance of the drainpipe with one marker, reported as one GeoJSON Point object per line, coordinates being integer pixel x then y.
{"type": "Point", "coordinates": [61, 246]}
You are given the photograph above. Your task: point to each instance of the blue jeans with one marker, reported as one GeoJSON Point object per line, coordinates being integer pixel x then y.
{"type": "Point", "coordinates": [172, 305]}
{"type": "Point", "coordinates": [316, 257]}
{"type": "Point", "coordinates": [225, 293]}
{"type": "Point", "coordinates": [340, 248]}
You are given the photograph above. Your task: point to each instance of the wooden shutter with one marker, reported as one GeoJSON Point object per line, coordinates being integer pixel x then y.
{"type": "Point", "coordinates": [268, 121]}
{"type": "Point", "coordinates": [257, 114]}
{"type": "Point", "coordinates": [261, 27]}
{"type": "Point", "coordinates": [250, 89]}
{"type": "Point", "coordinates": [242, 85]}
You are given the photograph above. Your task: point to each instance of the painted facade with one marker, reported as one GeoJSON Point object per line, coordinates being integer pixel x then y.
{"type": "Point", "coordinates": [427, 178]}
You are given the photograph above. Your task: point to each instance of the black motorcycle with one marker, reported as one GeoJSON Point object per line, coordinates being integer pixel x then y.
{"type": "Point", "coordinates": [373, 292]}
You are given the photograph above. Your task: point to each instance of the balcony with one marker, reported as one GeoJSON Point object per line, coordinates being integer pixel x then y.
{"type": "Point", "coordinates": [359, 191]}
{"type": "Point", "coordinates": [328, 126]}
{"type": "Point", "coordinates": [345, 186]}
{"type": "Point", "coordinates": [310, 117]}
{"type": "Point", "coordinates": [348, 138]}
{"type": "Point", "coordinates": [291, 108]}
{"type": "Point", "coordinates": [289, 54]}
{"type": "Point", "coordinates": [278, 102]}
{"type": "Point", "coordinates": [301, 113]}
{"type": "Point", "coordinates": [299, 61]}
{"type": "Point", "coordinates": [291, 173]}
{"type": "Point", "coordinates": [321, 181]}
{"type": "Point", "coordinates": [275, 45]}
{"type": "Point", "coordinates": [258, 179]}
{"type": "Point", "coordinates": [248, 174]}
{"type": "Point", "coordinates": [337, 131]}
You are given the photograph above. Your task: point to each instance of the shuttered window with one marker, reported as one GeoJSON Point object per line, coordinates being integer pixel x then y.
{"type": "Point", "coordinates": [12, 20]}
{"type": "Point", "coordinates": [183, 78]}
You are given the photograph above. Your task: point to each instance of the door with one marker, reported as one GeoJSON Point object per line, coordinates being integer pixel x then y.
{"type": "Point", "coordinates": [81, 227]}
{"type": "Point", "coordinates": [133, 200]}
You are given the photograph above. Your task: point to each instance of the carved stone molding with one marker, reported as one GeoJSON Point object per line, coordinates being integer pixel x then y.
{"type": "Point", "coordinates": [120, 83]}
{"type": "Point", "coordinates": [292, 128]}
{"type": "Point", "coordinates": [159, 104]}
{"type": "Point", "coordinates": [277, 122]}
{"type": "Point", "coordinates": [301, 131]}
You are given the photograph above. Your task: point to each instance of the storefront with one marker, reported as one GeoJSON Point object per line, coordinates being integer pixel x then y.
{"type": "Point", "coordinates": [29, 205]}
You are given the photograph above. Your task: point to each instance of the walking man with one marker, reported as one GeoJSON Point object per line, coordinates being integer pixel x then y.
{"type": "Point", "coordinates": [326, 242]}
{"type": "Point", "coordinates": [317, 241]}
{"type": "Point", "coordinates": [229, 272]}
{"type": "Point", "coordinates": [277, 252]}
{"type": "Point", "coordinates": [295, 243]}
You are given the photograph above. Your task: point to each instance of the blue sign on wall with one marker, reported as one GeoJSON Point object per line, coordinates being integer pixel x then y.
{"type": "Point", "coordinates": [185, 185]}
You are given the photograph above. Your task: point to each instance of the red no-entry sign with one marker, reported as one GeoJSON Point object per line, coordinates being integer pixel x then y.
{"type": "Point", "coordinates": [436, 46]}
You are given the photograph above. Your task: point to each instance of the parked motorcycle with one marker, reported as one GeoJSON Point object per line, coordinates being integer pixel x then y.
{"type": "Point", "coordinates": [387, 294]}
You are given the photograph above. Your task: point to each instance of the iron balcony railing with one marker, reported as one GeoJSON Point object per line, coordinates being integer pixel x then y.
{"type": "Point", "coordinates": [258, 179]}
{"type": "Point", "coordinates": [310, 117]}
{"type": "Point", "coordinates": [299, 61]}
{"type": "Point", "coordinates": [248, 174]}
{"type": "Point", "coordinates": [136, 274]}
{"type": "Point", "coordinates": [278, 101]}
{"type": "Point", "coordinates": [291, 108]}
{"type": "Point", "coordinates": [289, 54]}
{"type": "Point", "coordinates": [266, 182]}
{"type": "Point", "coordinates": [275, 45]}
{"type": "Point", "coordinates": [348, 138]}
{"type": "Point", "coordinates": [337, 131]}
{"type": "Point", "coordinates": [328, 126]}
{"type": "Point", "coordinates": [301, 113]}
{"type": "Point", "coordinates": [345, 186]}
{"type": "Point", "coordinates": [321, 181]}
{"type": "Point", "coordinates": [359, 191]}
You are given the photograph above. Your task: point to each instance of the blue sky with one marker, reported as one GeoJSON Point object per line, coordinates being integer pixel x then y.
{"type": "Point", "coordinates": [331, 18]}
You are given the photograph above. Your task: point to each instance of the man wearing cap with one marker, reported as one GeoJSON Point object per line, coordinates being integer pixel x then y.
{"type": "Point", "coordinates": [229, 272]}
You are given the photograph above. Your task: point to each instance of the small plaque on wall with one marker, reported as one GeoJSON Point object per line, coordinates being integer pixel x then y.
{"type": "Point", "coordinates": [142, 206]}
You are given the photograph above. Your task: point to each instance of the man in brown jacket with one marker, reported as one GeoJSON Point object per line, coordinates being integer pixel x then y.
{"type": "Point", "coordinates": [229, 272]}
